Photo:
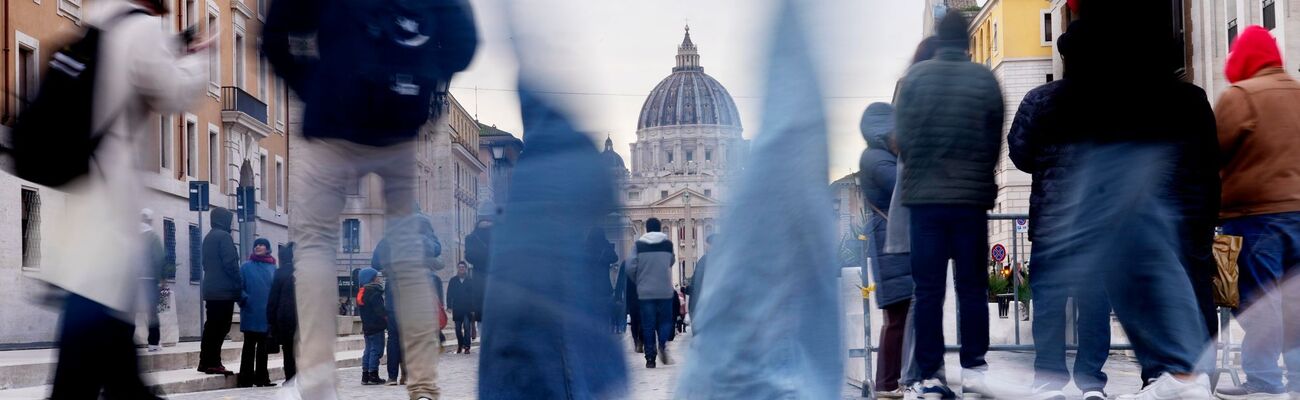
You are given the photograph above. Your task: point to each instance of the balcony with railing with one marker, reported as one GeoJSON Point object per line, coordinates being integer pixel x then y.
{"type": "Point", "coordinates": [243, 111]}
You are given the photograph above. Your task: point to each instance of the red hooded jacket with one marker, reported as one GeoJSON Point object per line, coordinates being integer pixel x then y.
{"type": "Point", "coordinates": [1254, 51]}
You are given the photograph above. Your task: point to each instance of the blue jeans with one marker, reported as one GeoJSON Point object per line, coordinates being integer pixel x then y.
{"type": "Point", "coordinates": [940, 233]}
{"type": "Point", "coordinates": [1054, 278]}
{"type": "Point", "coordinates": [374, 351]}
{"type": "Point", "coordinates": [656, 324]}
{"type": "Point", "coordinates": [1270, 301]}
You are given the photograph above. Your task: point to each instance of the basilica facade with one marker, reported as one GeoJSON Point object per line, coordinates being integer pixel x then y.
{"type": "Point", "coordinates": [688, 147]}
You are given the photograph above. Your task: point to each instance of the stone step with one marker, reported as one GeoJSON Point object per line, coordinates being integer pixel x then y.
{"type": "Point", "coordinates": [25, 368]}
{"type": "Point", "coordinates": [188, 380]}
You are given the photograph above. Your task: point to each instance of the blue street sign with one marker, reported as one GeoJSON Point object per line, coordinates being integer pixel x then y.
{"type": "Point", "coordinates": [198, 195]}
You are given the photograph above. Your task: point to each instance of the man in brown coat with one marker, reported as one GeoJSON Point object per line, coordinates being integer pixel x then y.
{"type": "Point", "coordinates": [1259, 139]}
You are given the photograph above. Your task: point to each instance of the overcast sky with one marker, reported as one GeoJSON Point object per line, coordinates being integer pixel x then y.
{"type": "Point", "coordinates": [606, 55]}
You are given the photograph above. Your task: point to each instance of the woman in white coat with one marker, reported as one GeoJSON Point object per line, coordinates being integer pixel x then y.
{"type": "Point", "coordinates": [141, 69]}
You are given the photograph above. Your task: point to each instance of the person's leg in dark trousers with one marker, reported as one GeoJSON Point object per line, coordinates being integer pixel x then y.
{"type": "Point", "coordinates": [290, 363]}
{"type": "Point", "coordinates": [215, 330]}
{"type": "Point", "coordinates": [150, 288]}
{"type": "Point", "coordinates": [664, 320]}
{"type": "Point", "coordinates": [1198, 260]}
{"type": "Point", "coordinates": [1093, 331]}
{"type": "Point", "coordinates": [463, 322]}
{"type": "Point", "coordinates": [649, 328]}
{"type": "Point", "coordinates": [1049, 281]}
{"type": "Point", "coordinates": [90, 338]}
{"type": "Point", "coordinates": [890, 362]}
{"type": "Point", "coordinates": [261, 375]}
{"type": "Point", "coordinates": [1261, 312]}
{"type": "Point", "coordinates": [930, 254]}
{"type": "Point", "coordinates": [155, 332]}
{"type": "Point", "coordinates": [252, 360]}
{"type": "Point", "coordinates": [969, 236]}
{"type": "Point", "coordinates": [394, 351]}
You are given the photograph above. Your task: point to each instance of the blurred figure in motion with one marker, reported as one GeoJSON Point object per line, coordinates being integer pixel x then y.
{"type": "Point", "coordinates": [950, 115]}
{"type": "Point", "coordinates": [431, 249]}
{"type": "Point", "coordinates": [257, 273]}
{"type": "Point", "coordinates": [1259, 142]}
{"type": "Point", "coordinates": [892, 272]}
{"type": "Point", "coordinates": [652, 271]}
{"type": "Point", "coordinates": [374, 322]}
{"type": "Point", "coordinates": [697, 279]}
{"type": "Point", "coordinates": [460, 301]}
{"type": "Point", "coordinates": [1038, 146]}
{"type": "Point", "coordinates": [367, 73]}
{"type": "Point", "coordinates": [282, 310]}
{"type": "Point", "coordinates": [151, 282]}
{"type": "Point", "coordinates": [222, 288]}
{"type": "Point", "coordinates": [478, 252]}
{"type": "Point", "coordinates": [1145, 187]}
{"type": "Point", "coordinates": [633, 306]}
{"type": "Point", "coordinates": [140, 70]}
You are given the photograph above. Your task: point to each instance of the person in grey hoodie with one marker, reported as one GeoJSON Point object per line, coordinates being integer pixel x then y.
{"type": "Point", "coordinates": [651, 270]}
{"type": "Point", "coordinates": [222, 287]}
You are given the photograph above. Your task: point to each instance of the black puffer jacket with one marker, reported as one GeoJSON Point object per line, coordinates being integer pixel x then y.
{"type": "Point", "coordinates": [282, 307]}
{"type": "Point", "coordinates": [950, 116]}
{"type": "Point", "coordinates": [879, 172]}
{"type": "Point", "coordinates": [221, 278]}
{"type": "Point", "coordinates": [1043, 152]}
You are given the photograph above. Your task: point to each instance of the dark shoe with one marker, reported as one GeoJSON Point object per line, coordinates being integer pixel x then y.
{"type": "Point", "coordinates": [650, 363]}
{"type": "Point", "coordinates": [933, 389]}
{"type": "Point", "coordinates": [243, 383]}
{"type": "Point", "coordinates": [265, 384]}
{"type": "Point", "coordinates": [365, 378]}
{"type": "Point", "coordinates": [218, 370]}
{"type": "Point", "coordinates": [663, 356]}
{"type": "Point", "coordinates": [375, 379]}
{"type": "Point", "coordinates": [466, 349]}
{"type": "Point", "coordinates": [1248, 391]}
{"type": "Point", "coordinates": [640, 348]}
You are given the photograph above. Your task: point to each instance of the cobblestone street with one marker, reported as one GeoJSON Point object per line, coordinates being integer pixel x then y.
{"type": "Point", "coordinates": [458, 378]}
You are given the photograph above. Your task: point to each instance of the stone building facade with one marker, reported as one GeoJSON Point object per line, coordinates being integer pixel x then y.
{"type": "Point", "coordinates": [689, 145]}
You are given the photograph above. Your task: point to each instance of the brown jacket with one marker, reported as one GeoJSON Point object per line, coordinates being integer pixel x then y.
{"type": "Point", "coordinates": [1259, 139]}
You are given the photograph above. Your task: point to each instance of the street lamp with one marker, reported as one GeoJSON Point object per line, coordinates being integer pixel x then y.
{"type": "Point", "coordinates": [498, 152]}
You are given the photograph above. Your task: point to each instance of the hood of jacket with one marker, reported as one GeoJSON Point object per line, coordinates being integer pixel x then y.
{"type": "Point", "coordinates": [1255, 50]}
{"type": "Point", "coordinates": [877, 125]}
{"type": "Point", "coordinates": [653, 238]}
{"type": "Point", "coordinates": [222, 219]}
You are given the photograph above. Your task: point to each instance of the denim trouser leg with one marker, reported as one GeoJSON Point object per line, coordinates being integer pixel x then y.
{"type": "Point", "coordinates": [656, 324]}
{"type": "Point", "coordinates": [1053, 280]}
{"type": "Point", "coordinates": [940, 233]}
{"type": "Point", "coordinates": [1093, 331]}
{"type": "Point", "coordinates": [1269, 313]}
{"type": "Point", "coordinates": [374, 351]}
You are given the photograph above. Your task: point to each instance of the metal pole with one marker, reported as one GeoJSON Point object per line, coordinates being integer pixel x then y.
{"type": "Point", "coordinates": [1015, 275]}
{"type": "Point", "coordinates": [868, 380]}
{"type": "Point", "coordinates": [200, 269]}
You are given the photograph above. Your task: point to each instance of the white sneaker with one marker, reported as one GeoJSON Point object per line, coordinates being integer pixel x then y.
{"type": "Point", "coordinates": [1094, 395]}
{"type": "Point", "coordinates": [1043, 393]}
{"type": "Point", "coordinates": [974, 386]}
{"type": "Point", "coordinates": [1167, 387]}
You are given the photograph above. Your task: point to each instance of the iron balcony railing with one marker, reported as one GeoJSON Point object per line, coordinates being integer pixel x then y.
{"type": "Point", "coordinates": [236, 99]}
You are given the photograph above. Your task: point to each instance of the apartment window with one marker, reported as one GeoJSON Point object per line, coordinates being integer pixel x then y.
{"type": "Point", "coordinates": [708, 193]}
{"type": "Point", "coordinates": [281, 104]}
{"type": "Point", "coordinates": [670, 156]}
{"type": "Point", "coordinates": [263, 70]}
{"type": "Point", "coordinates": [169, 243]}
{"type": "Point", "coordinates": [191, 12]}
{"type": "Point", "coordinates": [28, 69]}
{"type": "Point", "coordinates": [1232, 33]}
{"type": "Point", "coordinates": [634, 196]}
{"type": "Point", "coordinates": [70, 9]}
{"type": "Point", "coordinates": [1048, 34]}
{"type": "Point", "coordinates": [708, 155]}
{"type": "Point", "coordinates": [1270, 14]}
{"type": "Point", "coordinates": [264, 177]}
{"type": "Point", "coordinates": [196, 254]}
{"type": "Point", "coordinates": [351, 235]}
{"type": "Point", "coordinates": [239, 60]}
{"type": "Point", "coordinates": [191, 148]}
{"type": "Point", "coordinates": [663, 194]}
{"type": "Point", "coordinates": [214, 57]}
{"type": "Point", "coordinates": [690, 155]}
{"type": "Point", "coordinates": [279, 184]}
{"type": "Point", "coordinates": [166, 138]}
{"type": "Point", "coordinates": [214, 157]}
{"type": "Point", "coordinates": [994, 42]}
{"type": "Point", "coordinates": [31, 228]}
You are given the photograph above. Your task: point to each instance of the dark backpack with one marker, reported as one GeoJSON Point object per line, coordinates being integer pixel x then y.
{"type": "Point", "coordinates": [54, 140]}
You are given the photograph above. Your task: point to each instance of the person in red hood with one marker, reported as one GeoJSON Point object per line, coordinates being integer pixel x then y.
{"type": "Point", "coordinates": [1259, 142]}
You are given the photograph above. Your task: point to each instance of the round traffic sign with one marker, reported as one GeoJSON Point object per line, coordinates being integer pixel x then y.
{"type": "Point", "coordinates": [999, 252]}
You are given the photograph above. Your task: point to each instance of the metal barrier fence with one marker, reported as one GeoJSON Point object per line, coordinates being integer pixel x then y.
{"type": "Point", "coordinates": [1018, 231]}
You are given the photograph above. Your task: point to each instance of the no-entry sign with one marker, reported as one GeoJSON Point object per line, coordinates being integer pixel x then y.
{"type": "Point", "coordinates": [999, 252]}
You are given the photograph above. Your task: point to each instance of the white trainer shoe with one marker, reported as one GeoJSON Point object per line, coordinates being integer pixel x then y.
{"type": "Point", "coordinates": [1167, 387]}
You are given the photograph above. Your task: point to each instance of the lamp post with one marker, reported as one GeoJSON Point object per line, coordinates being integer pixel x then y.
{"type": "Point", "coordinates": [689, 239]}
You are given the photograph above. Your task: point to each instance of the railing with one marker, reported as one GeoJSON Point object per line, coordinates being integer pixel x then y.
{"type": "Point", "coordinates": [236, 99]}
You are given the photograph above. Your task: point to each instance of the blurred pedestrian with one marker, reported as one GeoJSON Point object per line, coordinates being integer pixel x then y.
{"type": "Point", "coordinates": [151, 281]}
{"type": "Point", "coordinates": [460, 301]}
{"type": "Point", "coordinates": [222, 287]}
{"type": "Point", "coordinates": [367, 73]}
{"type": "Point", "coordinates": [374, 322]}
{"type": "Point", "coordinates": [633, 311]}
{"type": "Point", "coordinates": [1039, 145]}
{"type": "Point", "coordinates": [949, 122]}
{"type": "Point", "coordinates": [140, 70]}
{"type": "Point", "coordinates": [697, 279]}
{"type": "Point", "coordinates": [892, 273]}
{"type": "Point", "coordinates": [257, 274]}
{"type": "Point", "coordinates": [1259, 142]}
{"type": "Point", "coordinates": [1146, 190]}
{"type": "Point", "coordinates": [282, 310]}
{"type": "Point", "coordinates": [652, 270]}
{"type": "Point", "coordinates": [383, 257]}
{"type": "Point", "coordinates": [478, 252]}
